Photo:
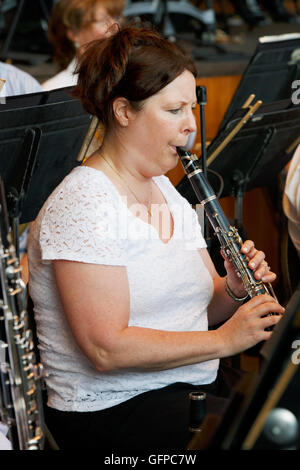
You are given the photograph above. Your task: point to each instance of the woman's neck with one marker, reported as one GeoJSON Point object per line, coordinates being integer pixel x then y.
{"type": "Point", "coordinates": [125, 159]}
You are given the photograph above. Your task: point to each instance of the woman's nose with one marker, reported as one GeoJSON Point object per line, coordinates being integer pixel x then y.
{"type": "Point", "coordinates": [190, 123]}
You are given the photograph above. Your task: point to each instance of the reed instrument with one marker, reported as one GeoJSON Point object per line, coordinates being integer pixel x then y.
{"type": "Point", "coordinates": [228, 236]}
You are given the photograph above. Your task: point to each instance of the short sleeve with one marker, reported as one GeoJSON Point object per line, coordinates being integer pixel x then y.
{"type": "Point", "coordinates": [80, 221]}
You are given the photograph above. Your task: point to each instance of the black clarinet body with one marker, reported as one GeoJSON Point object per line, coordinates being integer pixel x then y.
{"type": "Point", "coordinates": [228, 235]}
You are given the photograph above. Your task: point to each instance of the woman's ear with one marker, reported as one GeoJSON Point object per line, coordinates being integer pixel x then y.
{"type": "Point", "coordinates": [72, 36]}
{"type": "Point", "coordinates": [123, 111]}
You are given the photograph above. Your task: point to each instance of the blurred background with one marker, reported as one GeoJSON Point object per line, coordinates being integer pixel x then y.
{"type": "Point", "coordinates": [221, 43]}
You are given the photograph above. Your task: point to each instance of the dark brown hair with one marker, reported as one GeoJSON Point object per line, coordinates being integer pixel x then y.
{"type": "Point", "coordinates": [134, 63]}
{"type": "Point", "coordinates": [73, 15]}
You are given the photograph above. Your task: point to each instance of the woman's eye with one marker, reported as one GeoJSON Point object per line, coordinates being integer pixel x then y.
{"type": "Point", "coordinates": [174, 111]}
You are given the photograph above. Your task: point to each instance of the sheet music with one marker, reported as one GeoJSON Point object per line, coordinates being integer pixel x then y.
{"type": "Point", "coordinates": [280, 37]}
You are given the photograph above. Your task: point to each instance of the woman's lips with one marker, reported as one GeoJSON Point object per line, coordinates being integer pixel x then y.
{"type": "Point", "coordinates": [174, 148]}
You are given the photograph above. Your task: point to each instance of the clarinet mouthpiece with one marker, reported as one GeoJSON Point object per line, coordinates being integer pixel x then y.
{"type": "Point", "coordinates": [182, 152]}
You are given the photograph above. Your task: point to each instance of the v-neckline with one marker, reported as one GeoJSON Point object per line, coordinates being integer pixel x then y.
{"type": "Point", "coordinates": [157, 183]}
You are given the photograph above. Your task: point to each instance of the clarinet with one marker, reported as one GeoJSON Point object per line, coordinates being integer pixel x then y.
{"type": "Point", "coordinates": [228, 235]}
{"type": "Point", "coordinates": [21, 406]}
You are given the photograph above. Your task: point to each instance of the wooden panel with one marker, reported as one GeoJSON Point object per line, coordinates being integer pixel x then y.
{"type": "Point", "coordinates": [220, 91]}
{"type": "Point", "coordinates": [261, 224]}
{"type": "Point", "coordinates": [259, 221]}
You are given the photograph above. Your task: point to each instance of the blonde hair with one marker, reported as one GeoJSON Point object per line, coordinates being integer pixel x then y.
{"type": "Point", "coordinates": [73, 15]}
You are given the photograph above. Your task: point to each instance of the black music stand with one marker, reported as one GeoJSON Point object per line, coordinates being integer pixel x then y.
{"type": "Point", "coordinates": [19, 8]}
{"type": "Point", "coordinates": [270, 72]}
{"type": "Point", "coordinates": [254, 156]}
{"type": "Point", "coordinates": [41, 135]}
{"type": "Point", "coordinates": [264, 411]}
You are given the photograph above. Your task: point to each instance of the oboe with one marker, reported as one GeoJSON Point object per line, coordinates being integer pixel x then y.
{"type": "Point", "coordinates": [228, 235]}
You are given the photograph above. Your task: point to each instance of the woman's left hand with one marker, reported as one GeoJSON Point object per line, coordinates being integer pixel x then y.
{"type": "Point", "coordinates": [256, 262]}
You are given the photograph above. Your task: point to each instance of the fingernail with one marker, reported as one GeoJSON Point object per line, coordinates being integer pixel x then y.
{"type": "Point", "coordinates": [252, 265]}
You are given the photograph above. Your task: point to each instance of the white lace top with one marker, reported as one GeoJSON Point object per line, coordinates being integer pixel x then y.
{"type": "Point", "coordinates": [86, 220]}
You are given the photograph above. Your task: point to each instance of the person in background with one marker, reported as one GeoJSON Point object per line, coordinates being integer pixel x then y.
{"type": "Point", "coordinates": [291, 199]}
{"type": "Point", "coordinates": [73, 24]}
{"type": "Point", "coordinates": [17, 81]}
{"type": "Point", "coordinates": [124, 289]}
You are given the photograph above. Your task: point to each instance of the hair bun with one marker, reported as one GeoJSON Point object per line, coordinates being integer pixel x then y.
{"type": "Point", "coordinates": [133, 62]}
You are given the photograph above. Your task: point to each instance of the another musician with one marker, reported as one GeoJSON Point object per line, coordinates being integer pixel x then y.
{"type": "Point", "coordinates": [291, 199]}
{"type": "Point", "coordinates": [123, 286]}
{"type": "Point", "coordinates": [72, 25]}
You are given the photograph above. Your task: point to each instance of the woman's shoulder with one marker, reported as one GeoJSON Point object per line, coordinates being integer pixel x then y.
{"type": "Point", "coordinates": [84, 190]}
{"type": "Point", "coordinates": [64, 78]}
{"type": "Point", "coordinates": [78, 221]}
{"type": "Point", "coordinates": [85, 175]}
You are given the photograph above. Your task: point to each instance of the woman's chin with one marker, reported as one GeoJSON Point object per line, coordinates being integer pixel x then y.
{"type": "Point", "coordinates": [172, 163]}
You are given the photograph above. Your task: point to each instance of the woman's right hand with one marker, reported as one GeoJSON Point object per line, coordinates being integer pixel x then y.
{"type": "Point", "coordinates": [247, 326]}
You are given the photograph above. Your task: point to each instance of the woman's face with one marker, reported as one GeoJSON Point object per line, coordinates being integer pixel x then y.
{"type": "Point", "coordinates": [97, 28]}
{"type": "Point", "coordinates": [164, 123]}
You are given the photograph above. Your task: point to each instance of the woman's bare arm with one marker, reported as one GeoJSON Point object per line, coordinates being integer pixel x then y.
{"type": "Point", "coordinates": [96, 302]}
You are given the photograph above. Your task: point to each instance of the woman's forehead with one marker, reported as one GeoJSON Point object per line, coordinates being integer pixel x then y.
{"type": "Point", "coordinates": [182, 88]}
